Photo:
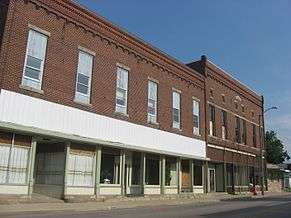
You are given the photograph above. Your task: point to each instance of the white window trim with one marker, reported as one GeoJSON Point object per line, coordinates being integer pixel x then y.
{"type": "Point", "coordinates": [37, 29]}
{"type": "Point", "coordinates": [90, 78]}
{"type": "Point", "coordinates": [156, 109]}
{"type": "Point", "coordinates": [199, 130]}
{"type": "Point", "coordinates": [47, 34]}
{"type": "Point", "coordinates": [126, 91]}
{"type": "Point", "coordinates": [173, 122]}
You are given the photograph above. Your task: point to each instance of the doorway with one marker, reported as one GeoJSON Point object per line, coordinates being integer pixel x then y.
{"type": "Point", "coordinates": [211, 180]}
{"type": "Point", "coordinates": [186, 176]}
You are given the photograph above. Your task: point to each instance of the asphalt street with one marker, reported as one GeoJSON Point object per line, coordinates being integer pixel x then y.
{"type": "Point", "coordinates": [270, 207]}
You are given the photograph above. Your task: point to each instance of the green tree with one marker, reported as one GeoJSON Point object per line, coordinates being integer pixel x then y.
{"type": "Point", "coordinates": [275, 152]}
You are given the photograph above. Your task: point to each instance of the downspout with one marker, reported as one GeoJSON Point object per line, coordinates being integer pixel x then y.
{"type": "Point", "coordinates": [263, 146]}
{"type": "Point", "coordinates": [204, 72]}
{"type": "Point", "coordinates": [6, 36]}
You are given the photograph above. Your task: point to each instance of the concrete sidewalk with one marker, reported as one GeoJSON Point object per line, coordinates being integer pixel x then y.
{"type": "Point", "coordinates": [120, 203]}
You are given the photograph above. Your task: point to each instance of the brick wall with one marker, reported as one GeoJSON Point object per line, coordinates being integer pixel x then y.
{"type": "Point", "coordinates": [71, 26]}
{"type": "Point", "coordinates": [61, 66]}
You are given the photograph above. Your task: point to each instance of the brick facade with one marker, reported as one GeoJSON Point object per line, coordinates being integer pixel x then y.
{"type": "Point", "coordinates": [71, 26]}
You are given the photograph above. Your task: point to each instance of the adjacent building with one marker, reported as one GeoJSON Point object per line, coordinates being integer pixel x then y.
{"type": "Point", "coordinates": [89, 109]}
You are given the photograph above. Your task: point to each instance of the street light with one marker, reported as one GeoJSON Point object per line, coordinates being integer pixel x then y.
{"type": "Point", "coordinates": [262, 144]}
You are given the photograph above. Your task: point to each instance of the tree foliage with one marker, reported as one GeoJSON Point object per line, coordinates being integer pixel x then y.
{"type": "Point", "coordinates": [275, 152]}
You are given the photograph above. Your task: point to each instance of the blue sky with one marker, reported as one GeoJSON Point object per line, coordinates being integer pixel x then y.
{"type": "Point", "coordinates": [250, 39]}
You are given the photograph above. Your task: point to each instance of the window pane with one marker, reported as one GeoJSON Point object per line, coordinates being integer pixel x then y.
{"type": "Point", "coordinates": [136, 163]}
{"type": "Point", "coordinates": [122, 78]}
{"type": "Point", "coordinates": [80, 169]}
{"type": "Point", "coordinates": [152, 90]}
{"type": "Point", "coordinates": [176, 115]}
{"type": "Point", "coordinates": [196, 121]}
{"type": "Point", "coordinates": [121, 97]}
{"type": "Point", "coordinates": [85, 63]}
{"type": "Point", "coordinates": [35, 57]}
{"type": "Point", "coordinates": [171, 172]}
{"type": "Point", "coordinates": [18, 165]}
{"type": "Point", "coordinates": [151, 107]}
{"type": "Point", "coordinates": [4, 156]}
{"type": "Point", "coordinates": [84, 74]}
{"type": "Point", "coordinates": [82, 89]}
{"type": "Point", "coordinates": [83, 79]}
{"type": "Point", "coordinates": [33, 62]}
{"type": "Point", "coordinates": [110, 166]}
{"type": "Point", "coordinates": [37, 44]}
{"type": "Point", "coordinates": [32, 73]}
{"type": "Point", "coordinates": [197, 175]}
{"type": "Point", "coordinates": [176, 100]}
{"type": "Point", "coordinates": [152, 170]}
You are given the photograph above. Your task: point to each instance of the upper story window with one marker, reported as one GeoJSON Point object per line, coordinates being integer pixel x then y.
{"type": "Point", "coordinates": [212, 130]}
{"type": "Point", "coordinates": [121, 90]}
{"type": "Point", "coordinates": [196, 117]}
{"type": "Point", "coordinates": [237, 130]}
{"type": "Point", "coordinates": [244, 133]}
{"type": "Point", "coordinates": [243, 108]}
{"type": "Point", "coordinates": [253, 114]}
{"type": "Point", "coordinates": [152, 101]}
{"type": "Point", "coordinates": [211, 93]}
{"type": "Point", "coordinates": [176, 110]}
{"type": "Point", "coordinates": [236, 105]}
{"type": "Point", "coordinates": [254, 135]}
{"type": "Point", "coordinates": [223, 98]}
{"type": "Point", "coordinates": [34, 59]}
{"type": "Point", "coordinates": [224, 124]}
{"type": "Point", "coordinates": [84, 74]}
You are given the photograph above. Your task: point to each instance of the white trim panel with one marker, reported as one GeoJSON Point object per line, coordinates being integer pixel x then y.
{"type": "Point", "coordinates": [23, 110]}
{"type": "Point", "coordinates": [14, 189]}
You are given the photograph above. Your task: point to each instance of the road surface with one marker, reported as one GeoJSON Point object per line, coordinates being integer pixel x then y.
{"type": "Point", "coordinates": [275, 207]}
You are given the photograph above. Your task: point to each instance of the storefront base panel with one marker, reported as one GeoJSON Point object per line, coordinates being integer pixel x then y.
{"type": "Point", "coordinates": [171, 190]}
{"type": "Point", "coordinates": [110, 190]}
{"type": "Point", "coordinates": [198, 190]}
{"type": "Point", "coordinates": [80, 191]}
{"type": "Point", "coordinates": [238, 189]}
{"type": "Point", "coordinates": [55, 191]}
{"type": "Point", "coordinates": [134, 190]}
{"type": "Point", "coordinates": [152, 190]}
{"type": "Point", "coordinates": [14, 189]}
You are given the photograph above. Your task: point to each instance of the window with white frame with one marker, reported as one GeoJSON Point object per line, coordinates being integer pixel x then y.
{"type": "Point", "coordinates": [176, 110]}
{"type": "Point", "coordinates": [121, 90]}
{"type": "Point", "coordinates": [13, 164]}
{"type": "Point", "coordinates": [34, 59]}
{"type": "Point", "coordinates": [224, 124]}
{"type": "Point", "coordinates": [152, 101]}
{"type": "Point", "coordinates": [84, 74]}
{"type": "Point", "coordinates": [212, 129]}
{"type": "Point", "coordinates": [50, 168]}
{"type": "Point", "coordinates": [80, 170]}
{"type": "Point", "coordinates": [196, 117]}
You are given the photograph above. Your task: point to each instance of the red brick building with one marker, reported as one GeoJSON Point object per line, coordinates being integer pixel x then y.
{"type": "Point", "coordinates": [88, 109]}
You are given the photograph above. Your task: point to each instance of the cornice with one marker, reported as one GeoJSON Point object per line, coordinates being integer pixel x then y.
{"type": "Point", "coordinates": [234, 86]}
{"type": "Point", "coordinates": [100, 28]}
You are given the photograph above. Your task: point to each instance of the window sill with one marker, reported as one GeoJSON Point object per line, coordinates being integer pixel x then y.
{"type": "Point", "coordinates": [153, 123]}
{"type": "Point", "coordinates": [177, 129]}
{"type": "Point", "coordinates": [82, 103]}
{"type": "Point", "coordinates": [121, 114]}
{"type": "Point", "coordinates": [197, 135]}
{"type": "Point", "coordinates": [28, 88]}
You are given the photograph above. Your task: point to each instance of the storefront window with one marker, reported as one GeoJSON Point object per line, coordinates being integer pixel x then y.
{"type": "Point", "coordinates": [198, 175]}
{"type": "Point", "coordinates": [136, 170]}
{"type": "Point", "coordinates": [110, 167]}
{"type": "Point", "coordinates": [152, 170]}
{"type": "Point", "coordinates": [171, 172]}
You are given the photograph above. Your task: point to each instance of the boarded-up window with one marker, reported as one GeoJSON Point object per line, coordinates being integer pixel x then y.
{"type": "Point", "coordinates": [50, 168]}
{"type": "Point", "coordinates": [80, 170]}
{"type": "Point", "coordinates": [13, 164]}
